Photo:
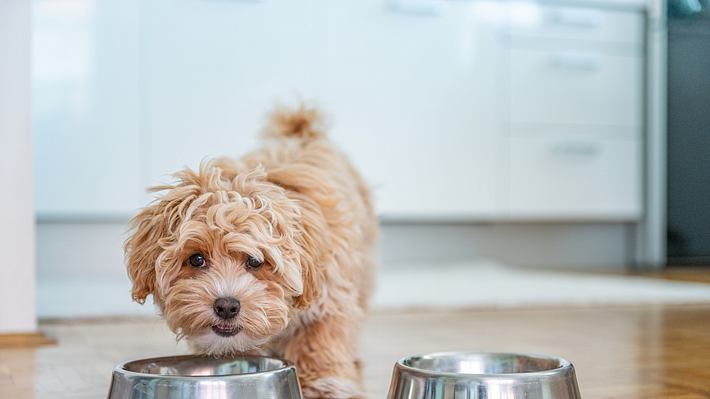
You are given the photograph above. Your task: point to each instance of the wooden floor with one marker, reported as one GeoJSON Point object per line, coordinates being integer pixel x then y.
{"type": "Point", "coordinates": [696, 274]}
{"type": "Point", "coordinates": [622, 352]}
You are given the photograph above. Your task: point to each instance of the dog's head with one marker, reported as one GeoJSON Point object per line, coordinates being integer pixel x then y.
{"type": "Point", "coordinates": [225, 255]}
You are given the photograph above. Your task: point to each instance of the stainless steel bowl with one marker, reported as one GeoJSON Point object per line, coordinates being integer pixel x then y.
{"type": "Point", "coordinates": [467, 375]}
{"type": "Point", "coordinates": [192, 377]}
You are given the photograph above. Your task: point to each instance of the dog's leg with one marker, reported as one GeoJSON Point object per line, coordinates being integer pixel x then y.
{"type": "Point", "coordinates": [324, 352]}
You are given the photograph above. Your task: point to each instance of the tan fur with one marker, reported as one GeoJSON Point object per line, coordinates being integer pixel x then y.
{"type": "Point", "coordinates": [298, 204]}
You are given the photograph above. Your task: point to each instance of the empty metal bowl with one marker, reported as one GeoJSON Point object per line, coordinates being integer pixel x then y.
{"type": "Point", "coordinates": [467, 375]}
{"type": "Point", "coordinates": [193, 377]}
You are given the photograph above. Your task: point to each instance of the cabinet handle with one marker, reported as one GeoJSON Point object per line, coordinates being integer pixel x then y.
{"type": "Point", "coordinates": [417, 8]}
{"type": "Point", "coordinates": [572, 62]}
{"type": "Point", "coordinates": [570, 20]}
{"type": "Point", "coordinates": [576, 148]}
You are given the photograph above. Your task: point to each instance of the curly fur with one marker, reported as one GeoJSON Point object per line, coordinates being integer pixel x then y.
{"type": "Point", "coordinates": [298, 205]}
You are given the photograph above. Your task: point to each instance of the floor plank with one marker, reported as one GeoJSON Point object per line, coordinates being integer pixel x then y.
{"type": "Point", "coordinates": [23, 340]}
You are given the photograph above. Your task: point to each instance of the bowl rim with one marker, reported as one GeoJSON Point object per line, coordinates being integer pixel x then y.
{"type": "Point", "coordinates": [565, 365]}
{"type": "Point", "coordinates": [121, 370]}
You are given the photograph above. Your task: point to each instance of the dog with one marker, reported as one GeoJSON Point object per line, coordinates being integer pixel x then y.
{"type": "Point", "coordinates": [273, 253]}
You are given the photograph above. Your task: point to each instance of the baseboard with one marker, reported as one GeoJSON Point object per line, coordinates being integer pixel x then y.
{"type": "Point", "coordinates": [25, 340]}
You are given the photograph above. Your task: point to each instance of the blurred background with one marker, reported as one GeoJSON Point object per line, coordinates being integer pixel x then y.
{"type": "Point", "coordinates": [500, 137]}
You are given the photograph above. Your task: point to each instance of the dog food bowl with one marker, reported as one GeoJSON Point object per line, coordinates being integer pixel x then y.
{"type": "Point", "coordinates": [467, 375]}
{"type": "Point", "coordinates": [193, 377]}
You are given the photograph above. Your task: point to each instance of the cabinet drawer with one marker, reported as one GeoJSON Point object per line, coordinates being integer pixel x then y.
{"type": "Point", "coordinates": [551, 22]}
{"type": "Point", "coordinates": [563, 87]}
{"type": "Point", "coordinates": [557, 177]}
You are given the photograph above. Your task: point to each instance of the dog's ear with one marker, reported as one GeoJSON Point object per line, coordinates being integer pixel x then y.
{"type": "Point", "coordinates": [312, 251]}
{"type": "Point", "coordinates": [142, 249]}
{"type": "Point", "coordinates": [312, 285]}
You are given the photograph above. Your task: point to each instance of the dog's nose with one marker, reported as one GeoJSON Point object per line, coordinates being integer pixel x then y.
{"type": "Point", "coordinates": [226, 308]}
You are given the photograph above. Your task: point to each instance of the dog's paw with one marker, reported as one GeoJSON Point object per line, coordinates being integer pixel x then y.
{"type": "Point", "coordinates": [332, 388]}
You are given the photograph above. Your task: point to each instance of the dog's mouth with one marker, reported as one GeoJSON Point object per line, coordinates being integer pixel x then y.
{"type": "Point", "coordinates": [226, 330]}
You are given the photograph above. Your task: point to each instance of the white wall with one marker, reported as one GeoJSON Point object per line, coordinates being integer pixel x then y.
{"type": "Point", "coordinates": [17, 269]}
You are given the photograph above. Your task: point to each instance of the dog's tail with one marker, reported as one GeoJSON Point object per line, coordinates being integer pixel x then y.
{"type": "Point", "coordinates": [304, 122]}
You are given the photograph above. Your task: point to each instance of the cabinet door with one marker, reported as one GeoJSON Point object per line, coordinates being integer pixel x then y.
{"type": "Point", "coordinates": [574, 176]}
{"type": "Point", "coordinates": [85, 103]}
{"type": "Point", "coordinates": [215, 68]}
{"type": "Point", "coordinates": [546, 21]}
{"type": "Point", "coordinates": [414, 88]}
{"type": "Point", "coordinates": [554, 86]}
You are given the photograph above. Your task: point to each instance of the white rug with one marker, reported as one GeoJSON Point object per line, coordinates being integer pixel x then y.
{"type": "Point", "coordinates": [489, 284]}
{"type": "Point", "coordinates": [460, 285]}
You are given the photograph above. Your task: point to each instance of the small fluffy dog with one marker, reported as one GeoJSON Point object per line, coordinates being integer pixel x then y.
{"type": "Point", "coordinates": [273, 253]}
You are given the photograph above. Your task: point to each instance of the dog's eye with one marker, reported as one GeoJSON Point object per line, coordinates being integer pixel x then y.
{"type": "Point", "coordinates": [254, 263]}
{"type": "Point", "coordinates": [197, 260]}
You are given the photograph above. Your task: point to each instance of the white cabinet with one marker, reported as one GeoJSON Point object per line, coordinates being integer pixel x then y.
{"type": "Point", "coordinates": [578, 24]}
{"type": "Point", "coordinates": [413, 92]}
{"type": "Point", "coordinates": [574, 177]}
{"type": "Point", "coordinates": [421, 96]}
{"type": "Point", "coordinates": [86, 108]}
{"type": "Point", "coordinates": [479, 110]}
{"type": "Point", "coordinates": [574, 116]}
{"type": "Point", "coordinates": [562, 87]}
{"type": "Point", "coordinates": [214, 68]}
